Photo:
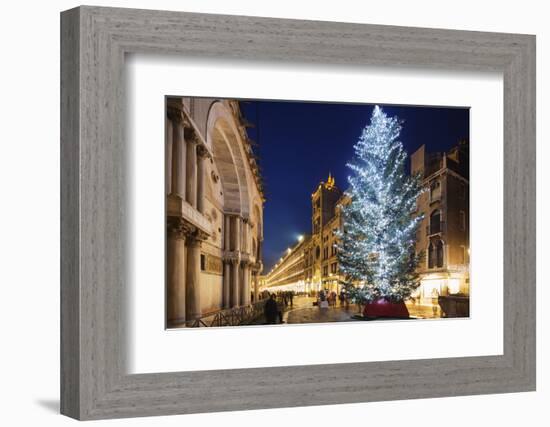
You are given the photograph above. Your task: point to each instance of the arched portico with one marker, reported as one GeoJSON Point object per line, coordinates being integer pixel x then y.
{"type": "Point", "coordinates": [223, 138]}
{"type": "Point", "coordinates": [211, 187]}
{"type": "Point", "coordinates": [228, 149]}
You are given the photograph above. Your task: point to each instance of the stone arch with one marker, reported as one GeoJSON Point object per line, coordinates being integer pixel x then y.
{"type": "Point", "coordinates": [224, 140]}
{"type": "Point", "coordinates": [259, 222]}
{"type": "Point", "coordinates": [258, 233]}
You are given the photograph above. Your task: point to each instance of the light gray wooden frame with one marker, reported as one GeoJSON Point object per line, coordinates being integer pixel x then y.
{"type": "Point", "coordinates": [94, 41]}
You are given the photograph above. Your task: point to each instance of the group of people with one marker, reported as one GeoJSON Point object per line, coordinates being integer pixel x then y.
{"type": "Point", "coordinates": [277, 302]}
{"type": "Point", "coordinates": [276, 305]}
{"type": "Point", "coordinates": [328, 298]}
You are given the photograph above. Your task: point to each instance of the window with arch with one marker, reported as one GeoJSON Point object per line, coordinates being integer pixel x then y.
{"type": "Point", "coordinates": [435, 191]}
{"type": "Point", "coordinates": [462, 220]}
{"type": "Point", "coordinates": [435, 222]}
{"type": "Point", "coordinates": [439, 254]}
{"type": "Point", "coordinates": [436, 254]}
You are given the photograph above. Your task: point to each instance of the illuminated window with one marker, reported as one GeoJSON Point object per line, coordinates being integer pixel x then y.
{"type": "Point", "coordinates": [462, 255]}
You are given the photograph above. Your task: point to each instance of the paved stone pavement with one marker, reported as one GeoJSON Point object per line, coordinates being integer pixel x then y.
{"type": "Point", "coordinates": [321, 315]}
{"type": "Point", "coordinates": [303, 311]}
{"type": "Point", "coordinates": [423, 311]}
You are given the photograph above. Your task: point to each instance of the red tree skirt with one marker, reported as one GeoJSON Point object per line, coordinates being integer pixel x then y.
{"type": "Point", "coordinates": [385, 308]}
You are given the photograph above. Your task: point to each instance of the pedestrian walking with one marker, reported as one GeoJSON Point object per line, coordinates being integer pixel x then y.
{"type": "Point", "coordinates": [280, 310]}
{"type": "Point", "coordinates": [271, 310]}
{"type": "Point", "coordinates": [435, 301]}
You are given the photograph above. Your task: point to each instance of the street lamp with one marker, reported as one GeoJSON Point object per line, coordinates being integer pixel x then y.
{"type": "Point", "coordinates": [300, 237]}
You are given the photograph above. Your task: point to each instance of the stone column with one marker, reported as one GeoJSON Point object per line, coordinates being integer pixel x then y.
{"type": "Point", "coordinates": [245, 236]}
{"type": "Point", "coordinates": [235, 283]}
{"type": "Point", "coordinates": [226, 294]}
{"type": "Point", "coordinates": [191, 172]}
{"type": "Point", "coordinates": [237, 245]}
{"type": "Point", "coordinates": [175, 277]}
{"type": "Point", "coordinates": [250, 284]}
{"type": "Point", "coordinates": [192, 294]}
{"type": "Point", "coordinates": [168, 155]}
{"type": "Point", "coordinates": [245, 297]}
{"type": "Point", "coordinates": [256, 288]}
{"type": "Point", "coordinates": [227, 233]}
{"type": "Point", "coordinates": [202, 155]}
{"type": "Point", "coordinates": [178, 160]}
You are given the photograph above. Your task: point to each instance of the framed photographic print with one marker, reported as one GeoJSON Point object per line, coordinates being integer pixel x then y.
{"type": "Point", "coordinates": [295, 259]}
{"type": "Point", "coordinates": [361, 196]}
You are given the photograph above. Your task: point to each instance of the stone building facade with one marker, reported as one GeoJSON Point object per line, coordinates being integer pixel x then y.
{"type": "Point", "coordinates": [214, 210]}
{"type": "Point", "coordinates": [443, 235]}
{"type": "Point", "coordinates": [311, 264]}
{"type": "Point", "coordinates": [288, 272]}
{"type": "Point", "coordinates": [322, 264]}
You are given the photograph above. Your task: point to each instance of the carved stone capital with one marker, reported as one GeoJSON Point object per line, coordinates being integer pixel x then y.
{"type": "Point", "coordinates": [245, 258]}
{"type": "Point", "coordinates": [197, 236]}
{"type": "Point", "coordinates": [178, 228]}
{"type": "Point", "coordinates": [233, 257]}
{"type": "Point", "coordinates": [202, 152]}
{"type": "Point", "coordinates": [246, 263]}
{"type": "Point", "coordinates": [257, 267]}
{"type": "Point", "coordinates": [174, 111]}
{"type": "Point", "coordinates": [189, 132]}
{"type": "Point", "coordinates": [173, 114]}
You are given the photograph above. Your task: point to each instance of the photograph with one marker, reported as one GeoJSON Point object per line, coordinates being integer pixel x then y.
{"type": "Point", "coordinates": [297, 212]}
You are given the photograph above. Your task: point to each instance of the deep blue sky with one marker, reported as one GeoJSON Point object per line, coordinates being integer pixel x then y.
{"type": "Point", "coordinates": [299, 143]}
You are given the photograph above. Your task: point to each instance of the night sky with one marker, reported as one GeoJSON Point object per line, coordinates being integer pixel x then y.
{"type": "Point", "coordinates": [299, 143]}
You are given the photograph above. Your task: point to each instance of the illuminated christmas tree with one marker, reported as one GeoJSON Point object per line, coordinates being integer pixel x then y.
{"type": "Point", "coordinates": [377, 250]}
